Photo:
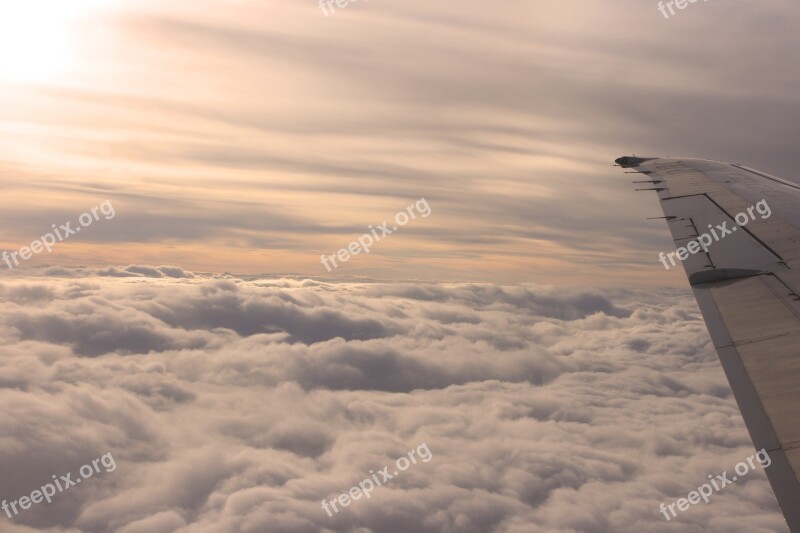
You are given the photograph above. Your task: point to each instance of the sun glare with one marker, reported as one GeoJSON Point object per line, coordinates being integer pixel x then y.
{"type": "Point", "coordinates": [36, 37]}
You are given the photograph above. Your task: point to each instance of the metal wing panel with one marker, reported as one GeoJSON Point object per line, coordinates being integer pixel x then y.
{"type": "Point", "coordinates": [735, 189]}
{"type": "Point", "coordinates": [747, 285]}
{"type": "Point", "coordinates": [758, 342]}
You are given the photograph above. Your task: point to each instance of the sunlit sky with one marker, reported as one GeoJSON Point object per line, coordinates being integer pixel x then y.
{"type": "Point", "coordinates": [252, 136]}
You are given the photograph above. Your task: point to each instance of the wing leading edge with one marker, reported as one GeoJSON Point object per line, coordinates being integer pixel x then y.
{"type": "Point", "coordinates": [747, 284]}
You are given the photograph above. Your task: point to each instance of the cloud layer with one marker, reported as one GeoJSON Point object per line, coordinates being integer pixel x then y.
{"type": "Point", "coordinates": [237, 405]}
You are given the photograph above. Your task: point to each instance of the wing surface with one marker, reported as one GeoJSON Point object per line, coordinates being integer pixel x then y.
{"type": "Point", "coordinates": [747, 283]}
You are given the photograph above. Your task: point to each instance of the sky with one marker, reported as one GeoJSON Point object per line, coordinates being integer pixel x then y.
{"type": "Point", "coordinates": [254, 136]}
{"type": "Point", "coordinates": [517, 326]}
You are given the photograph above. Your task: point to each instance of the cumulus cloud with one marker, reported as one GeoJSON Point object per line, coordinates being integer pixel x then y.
{"type": "Point", "coordinates": [238, 405]}
{"type": "Point", "coordinates": [146, 272]}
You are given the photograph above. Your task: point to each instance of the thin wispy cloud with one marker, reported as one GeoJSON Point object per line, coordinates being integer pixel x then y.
{"type": "Point", "coordinates": [254, 136]}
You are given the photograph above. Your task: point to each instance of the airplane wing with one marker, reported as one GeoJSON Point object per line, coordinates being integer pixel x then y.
{"type": "Point", "coordinates": [746, 280]}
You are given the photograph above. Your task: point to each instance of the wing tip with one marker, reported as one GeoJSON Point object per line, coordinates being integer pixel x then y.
{"type": "Point", "coordinates": [629, 161]}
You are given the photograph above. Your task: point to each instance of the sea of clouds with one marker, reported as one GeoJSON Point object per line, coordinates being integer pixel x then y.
{"type": "Point", "coordinates": [237, 404]}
